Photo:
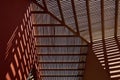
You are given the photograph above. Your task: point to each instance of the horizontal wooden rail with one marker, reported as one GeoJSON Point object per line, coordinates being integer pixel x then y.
{"type": "Point", "coordinates": [61, 75]}
{"type": "Point", "coordinates": [38, 25]}
{"type": "Point", "coordinates": [82, 62]}
{"type": "Point", "coordinates": [61, 69]}
{"type": "Point", "coordinates": [55, 36]}
{"type": "Point", "coordinates": [61, 46]}
{"type": "Point", "coordinates": [81, 54]}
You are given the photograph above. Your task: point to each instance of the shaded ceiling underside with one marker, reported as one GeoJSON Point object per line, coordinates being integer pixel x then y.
{"type": "Point", "coordinates": [63, 29]}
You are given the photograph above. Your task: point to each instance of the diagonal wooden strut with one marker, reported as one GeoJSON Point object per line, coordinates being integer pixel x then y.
{"type": "Point", "coordinates": [75, 16]}
{"type": "Point", "coordinates": [89, 20]}
{"type": "Point", "coordinates": [45, 6]}
{"type": "Point", "coordinates": [116, 17]}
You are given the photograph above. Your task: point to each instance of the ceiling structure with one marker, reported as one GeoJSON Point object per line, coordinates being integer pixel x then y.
{"type": "Point", "coordinates": [91, 19]}
{"type": "Point", "coordinates": [61, 53]}
{"type": "Point", "coordinates": [63, 31]}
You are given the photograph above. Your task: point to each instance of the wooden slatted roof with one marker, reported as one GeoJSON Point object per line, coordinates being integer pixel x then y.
{"type": "Point", "coordinates": [85, 16]}
{"type": "Point", "coordinates": [63, 30]}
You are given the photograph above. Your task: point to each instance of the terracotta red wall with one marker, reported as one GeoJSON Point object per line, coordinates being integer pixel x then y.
{"type": "Point", "coordinates": [16, 40]}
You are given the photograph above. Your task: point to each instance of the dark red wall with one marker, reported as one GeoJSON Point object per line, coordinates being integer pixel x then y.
{"type": "Point", "coordinates": [16, 40]}
{"type": "Point", "coordinates": [94, 70]}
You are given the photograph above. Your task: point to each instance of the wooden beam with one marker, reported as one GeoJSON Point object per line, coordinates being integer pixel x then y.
{"type": "Point", "coordinates": [81, 54]}
{"type": "Point", "coordinates": [34, 1]}
{"type": "Point", "coordinates": [51, 25]}
{"type": "Point", "coordinates": [61, 75]}
{"type": "Point", "coordinates": [103, 38]}
{"type": "Point", "coordinates": [84, 39]}
{"type": "Point", "coordinates": [102, 19]}
{"type": "Point", "coordinates": [61, 45]}
{"type": "Point", "coordinates": [45, 5]}
{"type": "Point", "coordinates": [60, 9]}
{"type": "Point", "coordinates": [38, 12]}
{"type": "Point", "coordinates": [82, 62]}
{"type": "Point", "coordinates": [116, 17]}
{"type": "Point", "coordinates": [75, 16]}
{"type": "Point", "coordinates": [56, 36]}
{"type": "Point", "coordinates": [61, 69]}
{"type": "Point", "coordinates": [89, 20]}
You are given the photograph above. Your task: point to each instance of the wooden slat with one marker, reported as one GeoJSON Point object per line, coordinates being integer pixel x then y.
{"type": "Point", "coordinates": [114, 57]}
{"type": "Point", "coordinates": [81, 54]}
{"type": "Point", "coordinates": [61, 69]}
{"type": "Point", "coordinates": [113, 54]}
{"type": "Point", "coordinates": [55, 36]}
{"type": "Point", "coordinates": [61, 45]}
{"type": "Point", "coordinates": [61, 62]}
{"type": "Point", "coordinates": [102, 19]}
{"type": "Point", "coordinates": [45, 5]}
{"type": "Point", "coordinates": [116, 17]}
{"type": "Point", "coordinates": [112, 48]}
{"type": "Point", "coordinates": [38, 12]}
{"type": "Point", "coordinates": [61, 75]}
{"type": "Point", "coordinates": [38, 25]}
{"type": "Point", "coordinates": [89, 20]}
{"type": "Point", "coordinates": [75, 16]}
{"type": "Point", "coordinates": [103, 37]}
{"type": "Point", "coordinates": [113, 51]}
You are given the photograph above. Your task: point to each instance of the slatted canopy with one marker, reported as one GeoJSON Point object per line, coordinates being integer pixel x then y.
{"type": "Point", "coordinates": [63, 30]}
{"type": "Point", "coordinates": [85, 17]}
